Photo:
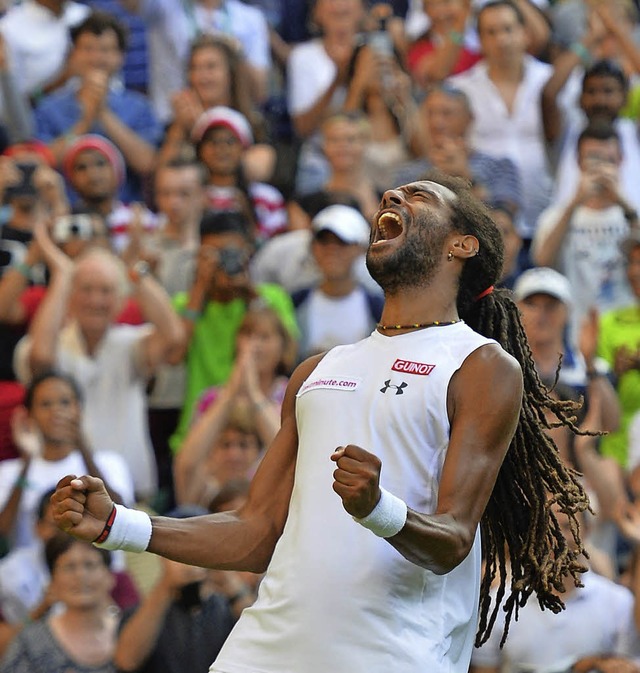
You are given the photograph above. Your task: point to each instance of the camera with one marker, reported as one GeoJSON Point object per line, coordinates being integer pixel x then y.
{"type": "Point", "coordinates": [232, 260]}
{"type": "Point", "coordinates": [67, 227]}
{"type": "Point", "coordinates": [26, 186]}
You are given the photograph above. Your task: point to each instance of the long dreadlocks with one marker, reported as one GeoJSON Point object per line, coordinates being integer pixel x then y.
{"type": "Point", "coordinates": [519, 524]}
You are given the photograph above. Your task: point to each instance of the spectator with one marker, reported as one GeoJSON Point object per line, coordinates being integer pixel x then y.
{"type": "Point", "coordinates": [222, 136]}
{"type": "Point", "coordinates": [619, 345]}
{"type": "Point", "coordinates": [447, 117]}
{"type": "Point", "coordinates": [171, 250]}
{"type": "Point", "coordinates": [28, 190]}
{"type": "Point", "coordinates": [216, 75]}
{"type": "Point", "coordinates": [36, 33]}
{"type": "Point", "coordinates": [237, 420]}
{"type": "Point", "coordinates": [445, 49]}
{"type": "Point", "coordinates": [96, 102]}
{"type": "Point", "coordinates": [597, 620]}
{"type": "Point", "coordinates": [181, 624]}
{"type": "Point", "coordinates": [301, 269]}
{"type": "Point", "coordinates": [604, 92]}
{"type": "Point", "coordinates": [49, 437]}
{"type": "Point", "coordinates": [112, 363]}
{"type": "Point", "coordinates": [320, 75]}
{"type": "Point", "coordinates": [81, 637]}
{"type": "Point", "coordinates": [504, 91]}
{"type": "Point", "coordinates": [503, 217]}
{"type": "Point", "coordinates": [582, 238]}
{"type": "Point", "coordinates": [215, 305]}
{"type": "Point", "coordinates": [95, 170]}
{"type": "Point", "coordinates": [172, 27]}
{"type": "Point", "coordinates": [337, 310]}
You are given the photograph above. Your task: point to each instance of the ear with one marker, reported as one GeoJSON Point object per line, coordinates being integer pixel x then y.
{"type": "Point", "coordinates": [465, 246]}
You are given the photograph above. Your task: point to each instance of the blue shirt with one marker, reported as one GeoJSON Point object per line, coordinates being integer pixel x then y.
{"type": "Point", "coordinates": [56, 114]}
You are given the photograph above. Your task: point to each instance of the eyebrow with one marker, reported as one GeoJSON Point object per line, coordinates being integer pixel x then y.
{"type": "Point", "coordinates": [438, 190]}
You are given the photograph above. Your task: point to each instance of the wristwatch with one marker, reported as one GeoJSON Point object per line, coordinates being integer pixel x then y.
{"type": "Point", "coordinates": [139, 270]}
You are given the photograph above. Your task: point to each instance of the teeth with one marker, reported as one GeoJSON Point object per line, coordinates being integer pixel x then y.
{"type": "Point", "coordinates": [382, 229]}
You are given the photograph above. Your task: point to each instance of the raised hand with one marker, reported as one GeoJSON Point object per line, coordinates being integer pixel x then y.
{"type": "Point", "coordinates": [356, 479]}
{"type": "Point", "coordinates": [81, 506]}
{"type": "Point", "coordinates": [25, 434]}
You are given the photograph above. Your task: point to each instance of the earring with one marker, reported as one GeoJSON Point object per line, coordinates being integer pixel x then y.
{"type": "Point", "coordinates": [450, 256]}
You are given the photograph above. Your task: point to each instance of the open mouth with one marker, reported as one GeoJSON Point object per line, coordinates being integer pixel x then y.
{"type": "Point", "coordinates": [389, 226]}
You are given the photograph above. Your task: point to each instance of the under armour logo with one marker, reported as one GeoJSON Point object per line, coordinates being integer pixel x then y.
{"type": "Point", "coordinates": [399, 389]}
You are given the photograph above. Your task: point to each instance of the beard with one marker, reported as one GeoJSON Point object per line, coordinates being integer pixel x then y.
{"type": "Point", "coordinates": [412, 265]}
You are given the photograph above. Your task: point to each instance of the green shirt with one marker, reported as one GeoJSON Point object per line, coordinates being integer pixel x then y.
{"type": "Point", "coordinates": [618, 328]}
{"type": "Point", "coordinates": [212, 348]}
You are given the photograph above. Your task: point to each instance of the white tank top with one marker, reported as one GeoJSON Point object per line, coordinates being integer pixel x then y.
{"type": "Point", "coordinates": [336, 598]}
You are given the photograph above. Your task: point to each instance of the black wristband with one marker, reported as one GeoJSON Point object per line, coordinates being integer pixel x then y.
{"type": "Point", "coordinates": [107, 527]}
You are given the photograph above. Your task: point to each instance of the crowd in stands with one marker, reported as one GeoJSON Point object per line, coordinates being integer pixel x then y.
{"type": "Point", "coordinates": [186, 188]}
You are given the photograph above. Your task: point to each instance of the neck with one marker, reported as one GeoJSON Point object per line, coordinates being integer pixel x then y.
{"type": "Point", "coordinates": [104, 206]}
{"type": "Point", "coordinates": [83, 619]}
{"type": "Point", "coordinates": [210, 4]}
{"type": "Point", "coordinates": [53, 451]}
{"type": "Point", "coordinates": [184, 232]}
{"type": "Point", "coordinates": [506, 70]}
{"type": "Point", "coordinates": [417, 306]}
{"type": "Point", "coordinates": [337, 287]}
{"type": "Point", "coordinates": [223, 180]}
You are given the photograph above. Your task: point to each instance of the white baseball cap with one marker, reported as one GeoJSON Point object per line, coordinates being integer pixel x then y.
{"type": "Point", "coordinates": [345, 222]}
{"type": "Point", "coordinates": [220, 115]}
{"type": "Point", "coordinates": [543, 280]}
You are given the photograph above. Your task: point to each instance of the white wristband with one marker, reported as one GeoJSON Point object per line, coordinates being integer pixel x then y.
{"type": "Point", "coordinates": [131, 531]}
{"type": "Point", "coordinates": [388, 517]}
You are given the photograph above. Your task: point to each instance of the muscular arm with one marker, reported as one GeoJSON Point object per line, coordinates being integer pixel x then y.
{"type": "Point", "coordinates": [240, 540]}
{"type": "Point", "coordinates": [480, 437]}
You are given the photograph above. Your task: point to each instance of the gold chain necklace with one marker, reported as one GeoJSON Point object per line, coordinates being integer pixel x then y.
{"type": "Point", "coordinates": [420, 325]}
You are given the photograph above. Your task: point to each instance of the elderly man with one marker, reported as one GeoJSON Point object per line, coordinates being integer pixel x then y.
{"type": "Point", "coordinates": [111, 363]}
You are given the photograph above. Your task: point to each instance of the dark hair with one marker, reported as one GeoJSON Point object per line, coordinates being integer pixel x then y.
{"type": "Point", "coordinates": [61, 542]}
{"type": "Point", "coordinates": [98, 23]}
{"type": "Point", "coordinates": [224, 222]}
{"type": "Point", "coordinates": [452, 92]}
{"type": "Point", "coordinates": [606, 68]}
{"type": "Point", "coordinates": [239, 79]}
{"type": "Point", "coordinates": [598, 130]}
{"type": "Point", "coordinates": [45, 376]}
{"type": "Point", "coordinates": [519, 524]}
{"type": "Point", "coordinates": [500, 3]}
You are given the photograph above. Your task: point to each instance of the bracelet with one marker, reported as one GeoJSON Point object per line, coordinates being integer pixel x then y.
{"type": "Point", "coordinates": [581, 52]}
{"type": "Point", "coordinates": [190, 313]}
{"type": "Point", "coordinates": [107, 527]}
{"type": "Point", "coordinates": [130, 530]}
{"type": "Point", "coordinates": [387, 518]}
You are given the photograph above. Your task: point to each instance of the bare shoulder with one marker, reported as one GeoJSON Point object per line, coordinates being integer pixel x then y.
{"type": "Point", "coordinates": [489, 374]}
{"type": "Point", "coordinates": [299, 376]}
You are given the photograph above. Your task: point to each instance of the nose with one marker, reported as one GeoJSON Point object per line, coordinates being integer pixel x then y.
{"type": "Point", "coordinates": [392, 197]}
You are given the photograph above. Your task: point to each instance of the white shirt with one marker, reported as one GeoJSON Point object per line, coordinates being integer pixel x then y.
{"type": "Point", "coordinates": [517, 135]}
{"type": "Point", "coordinates": [171, 27]}
{"type": "Point", "coordinates": [310, 72]}
{"type": "Point", "coordinates": [336, 598]}
{"type": "Point", "coordinates": [568, 172]}
{"type": "Point", "coordinates": [590, 257]}
{"type": "Point", "coordinates": [43, 475]}
{"type": "Point", "coordinates": [326, 321]}
{"type": "Point", "coordinates": [38, 41]}
{"type": "Point", "coordinates": [597, 619]}
{"type": "Point", "coordinates": [114, 389]}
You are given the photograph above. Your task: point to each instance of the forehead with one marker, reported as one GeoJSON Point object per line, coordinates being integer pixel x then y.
{"type": "Point", "coordinates": [497, 15]}
{"type": "Point", "coordinates": [97, 270]}
{"type": "Point", "coordinates": [442, 193]}
{"type": "Point", "coordinates": [90, 157]}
